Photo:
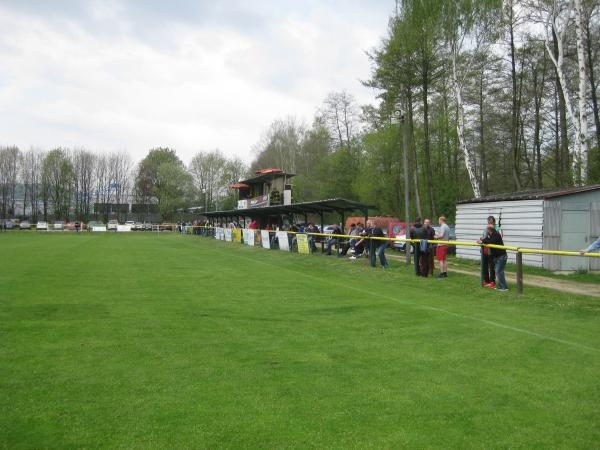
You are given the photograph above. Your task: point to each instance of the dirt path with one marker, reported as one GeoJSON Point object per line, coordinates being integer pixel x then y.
{"type": "Point", "coordinates": [589, 289]}
{"type": "Point", "coordinates": [571, 287]}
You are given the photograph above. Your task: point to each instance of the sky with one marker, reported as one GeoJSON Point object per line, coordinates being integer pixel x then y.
{"type": "Point", "coordinates": [194, 75]}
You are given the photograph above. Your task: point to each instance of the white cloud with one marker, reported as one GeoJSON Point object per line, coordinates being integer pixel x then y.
{"type": "Point", "coordinates": [95, 81]}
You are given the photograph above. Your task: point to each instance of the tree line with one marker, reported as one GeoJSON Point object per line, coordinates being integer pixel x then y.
{"type": "Point", "coordinates": [475, 97]}
{"type": "Point", "coordinates": [77, 184]}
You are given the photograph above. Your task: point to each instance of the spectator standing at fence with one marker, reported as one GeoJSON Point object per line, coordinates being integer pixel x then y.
{"type": "Point", "coordinates": [379, 245]}
{"type": "Point", "coordinates": [253, 225]}
{"type": "Point", "coordinates": [499, 255]}
{"type": "Point", "coordinates": [430, 232]}
{"type": "Point", "coordinates": [442, 250]}
{"type": "Point", "coordinates": [488, 273]}
{"type": "Point", "coordinates": [417, 231]}
{"type": "Point", "coordinates": [592, 248]}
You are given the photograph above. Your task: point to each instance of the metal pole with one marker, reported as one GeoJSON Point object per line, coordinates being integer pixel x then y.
{"type": "Point", "coordinates": [519, 272]}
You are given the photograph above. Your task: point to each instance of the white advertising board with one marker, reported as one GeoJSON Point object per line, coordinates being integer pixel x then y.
{"type": "Point", "coordinates": [264, 237]}
{"type": "Point", "coordinates": [282, 238]}
{"type": "Point", "coordinates": [123, 228]}
{"type": "Point", "coordinates": [228, 234]}
{"type": "Point", "coordinates": [98, 228]}
{"type": "Point", "coordinates": [249, 237]}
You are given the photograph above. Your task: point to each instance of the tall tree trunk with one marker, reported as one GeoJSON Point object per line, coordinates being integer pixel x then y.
{"type": "Point", "coordinates": [583, 153]}
{"type": "Point", "coordinates": [414, 161]}
{"type": "Point", "coordinates": [514, 123]}
{"type": "Point", "coordinates": [562, 108]}
{"type": "Point", "coordinates": [425, 94]}
{"type": "Point", "coordinates": [593, 85]}
{"type": "Point", "coordinates": [557, 152]}
{"type": "Point", "coordinates": [538, 89]}
{"type": "Point", "coordinates": [460, 127]}
{"type": "Point", "coordinates": [557, 57]}
{"type": "Point", "coordinates": [482, 152]}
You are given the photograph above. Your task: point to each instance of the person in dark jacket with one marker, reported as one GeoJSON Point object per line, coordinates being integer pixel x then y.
{"type": "Point", "coordinates": [379, 245]}
{"type": "Point", "coordinates": [499, 254]}
{"type": "Point", "coordinates": [418, 231]}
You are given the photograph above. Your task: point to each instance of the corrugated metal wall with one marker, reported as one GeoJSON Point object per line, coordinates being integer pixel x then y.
{"type": "Point", "coordinates": [522, 223]}
{"type": "Point", "coordinates": [552, 215]}
{"type": "Point", "coordinates": [595, 231]}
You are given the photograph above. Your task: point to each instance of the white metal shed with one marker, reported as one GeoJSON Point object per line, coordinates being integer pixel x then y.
{"type": "Point", "coordinates": [557, 219]}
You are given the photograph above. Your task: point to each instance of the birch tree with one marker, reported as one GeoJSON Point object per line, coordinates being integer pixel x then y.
{"type": "Point", "coordinates": [556, 17]}
{"type": "Point", "coordinates": [467, 21]}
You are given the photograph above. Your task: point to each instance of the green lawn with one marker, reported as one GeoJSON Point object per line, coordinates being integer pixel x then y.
{"type": "Point", "coordinates": [146, 341]}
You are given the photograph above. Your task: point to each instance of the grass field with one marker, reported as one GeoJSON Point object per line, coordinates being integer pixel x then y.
{"type": "Point", "coordinates": [146, 341]}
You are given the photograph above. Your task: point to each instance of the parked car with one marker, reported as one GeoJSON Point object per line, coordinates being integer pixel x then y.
{"type": "Point", "coordinates": [8, 224]}
{"type": "Point", "coordinates": [42, 226]}
{"type": "Point", "coordinates": [328, 229]}
{"type": "Point", "coordinates": [398, 230]}
{"type": "Point", "coordinates": [166, 226]}
{"type": "Point", "coordinates": [25, 225]}
{"type": "Point", "coordinates": [94, 223]}
{"type": "Point", "coordinates": [112, 225]}
{"type": "Point", "coordinates": [147, 226]}
{"type": "Point", "coordinates": [138, 226]}
{"type": "Point", "coordinates": [58, 225]}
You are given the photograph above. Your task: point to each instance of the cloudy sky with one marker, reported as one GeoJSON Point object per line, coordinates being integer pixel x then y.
{"type": "Point", "coordinates": [189, 74]}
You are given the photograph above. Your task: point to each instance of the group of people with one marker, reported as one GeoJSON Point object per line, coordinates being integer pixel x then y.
{"type": "Point", "coordinates": [493, 256]}
{"type": "Point", "coordinates": [356, 245]}
{"type": "Point", "coordinates": [424, 250]}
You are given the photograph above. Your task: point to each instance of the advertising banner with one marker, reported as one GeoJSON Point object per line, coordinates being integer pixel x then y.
{"type": "Point", "coordinates": [123, 228]}
{"type": "Point", "coordinates": [264, 237]}
{"type": "Point", "coordinates": [228, 234]}
{"type": "Point", "coordinates": [249, 237]}
{"type": "Point", "coordinates": [302, 240]}
{"type": "Point", "coordinates": [236, 235]}
{"type": "Point", "coordinates": [99, 228]}
{"type": "Point", "coordinates": [282, 238]}
{"type": "Point", "coordinates": [259, 202]}
{"type": "Point", "coordinates": [219, 234]}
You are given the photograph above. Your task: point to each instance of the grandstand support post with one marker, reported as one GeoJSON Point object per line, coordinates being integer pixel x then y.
{"type": "Point", "coordinates": [519, 272]}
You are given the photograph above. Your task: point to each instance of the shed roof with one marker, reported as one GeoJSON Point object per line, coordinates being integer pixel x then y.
{"type": "Point", "coordinates": [536, 194]}
{"type": "Point", "coordinates": [319, 206]}
{"type": "Point", "coordinates": [262, 177]}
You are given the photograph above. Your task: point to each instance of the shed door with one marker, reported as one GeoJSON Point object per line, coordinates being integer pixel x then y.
{"type": "Point", "coordinates": [574, 227]}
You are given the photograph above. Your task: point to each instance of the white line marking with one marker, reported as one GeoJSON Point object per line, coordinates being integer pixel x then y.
{"type": "Point", "coordinates": [427, 307]}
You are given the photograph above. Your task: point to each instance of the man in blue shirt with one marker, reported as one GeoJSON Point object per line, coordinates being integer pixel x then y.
{"type": "Point", "coordinates": [593, 247]}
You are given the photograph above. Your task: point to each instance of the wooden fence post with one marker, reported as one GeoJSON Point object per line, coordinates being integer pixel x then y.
{"type": "Point", "coordinates": [519, 272]}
